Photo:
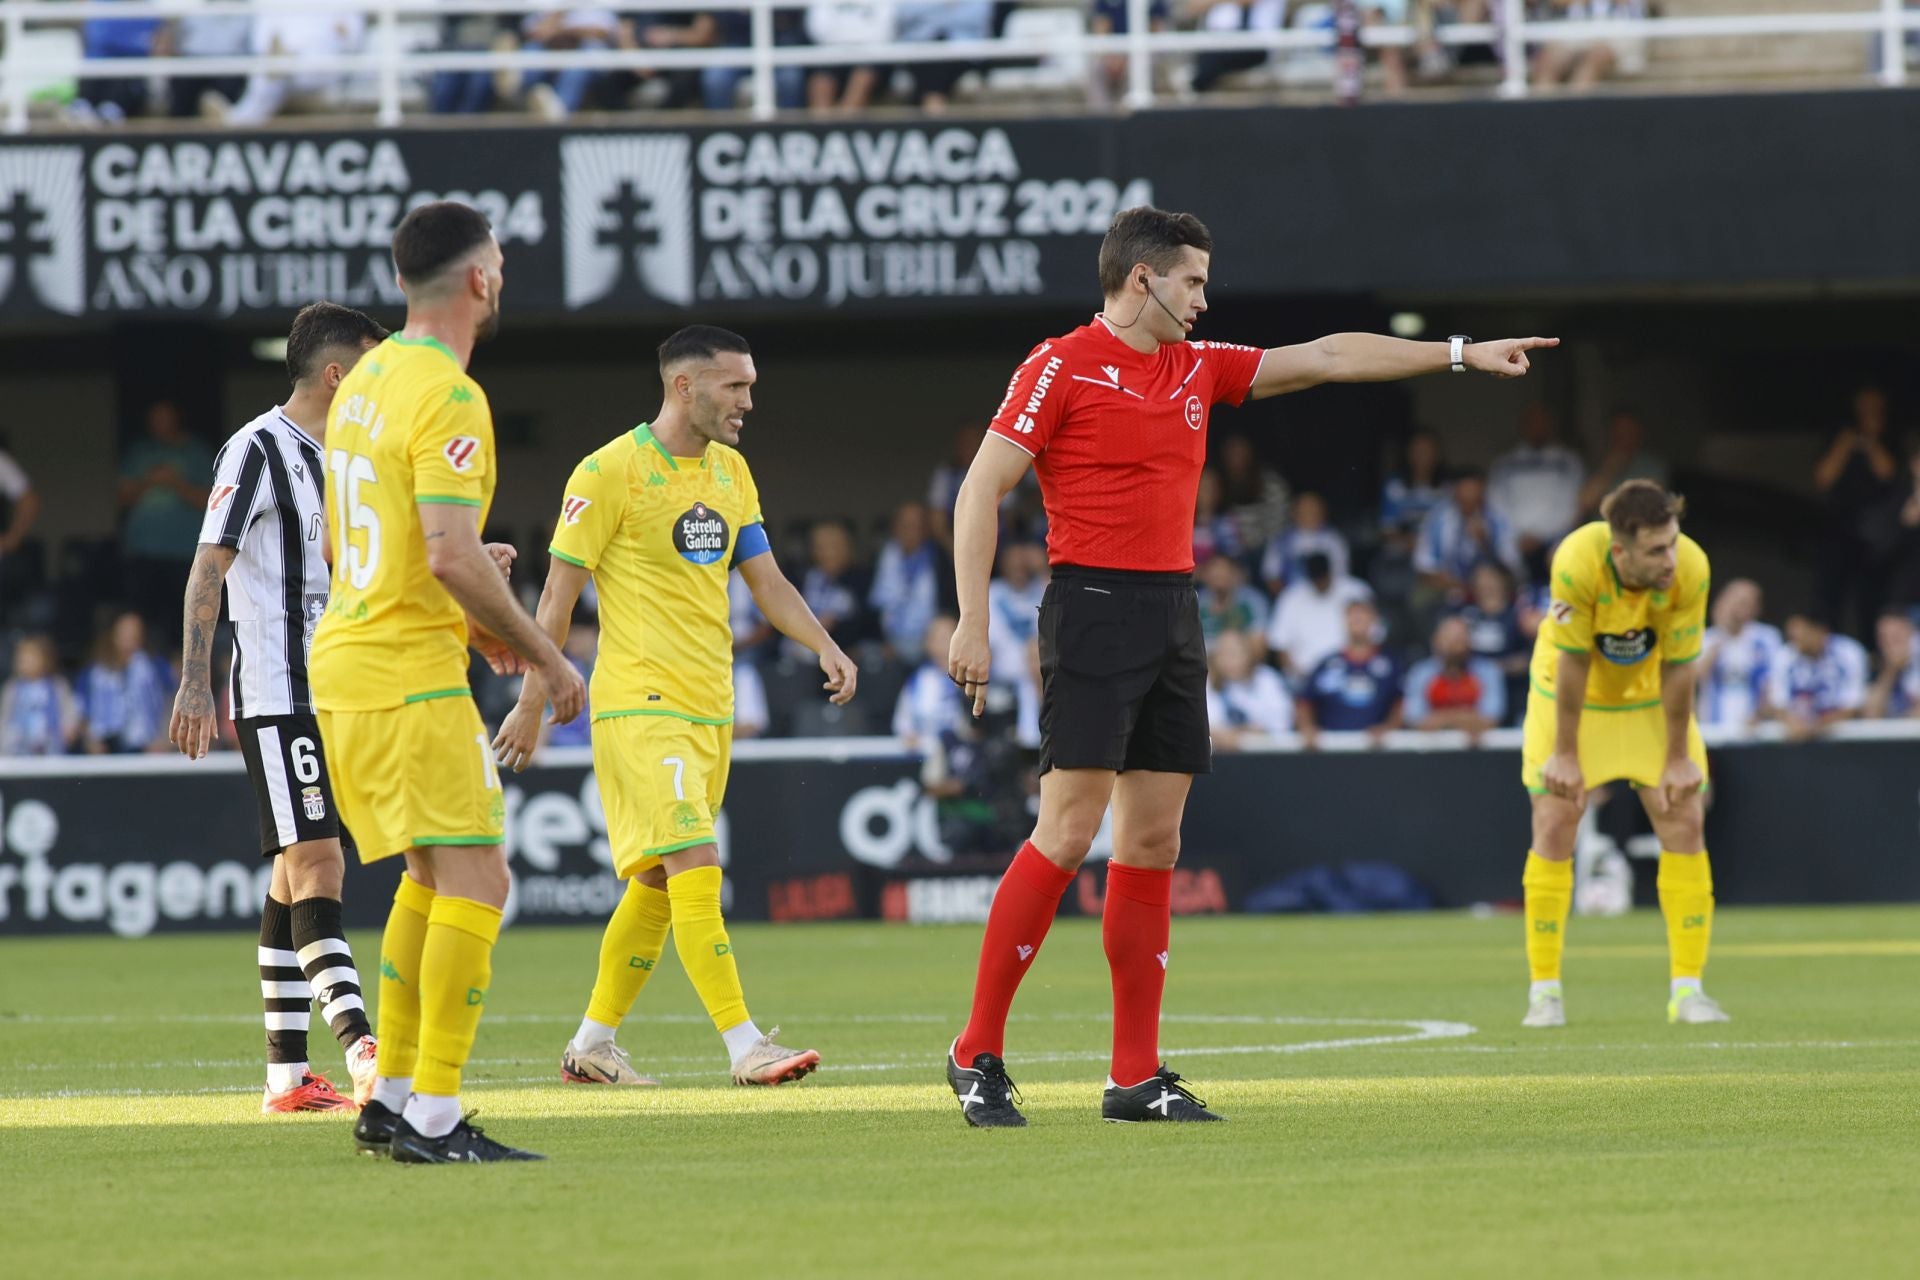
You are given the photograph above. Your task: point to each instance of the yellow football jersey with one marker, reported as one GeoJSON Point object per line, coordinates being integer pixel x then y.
{"type": "Point", "coordinates": [659, 535]}
{"type": "Point", "coordinates": [1630, 633]}
{"type": "Point", "coordinates": [408, 426]}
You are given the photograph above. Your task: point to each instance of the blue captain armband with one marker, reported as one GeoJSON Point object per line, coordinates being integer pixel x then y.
{"type": "Point", "coordinates": [751, 542]}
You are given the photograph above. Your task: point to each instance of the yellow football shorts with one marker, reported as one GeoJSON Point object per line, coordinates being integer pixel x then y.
{"type": "Point", "coordinates": [1615, 746]}
{"type": "Point", "coordinates": [662, 780]}
{"type": "Point", "coordinates": [418, 774]}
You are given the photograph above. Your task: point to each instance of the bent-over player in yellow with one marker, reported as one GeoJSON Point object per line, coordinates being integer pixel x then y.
{"type": "Point", "coordinates": [410, 475]}
{"type": "Point", "coordinates": [1612, 699]}
{"type": "Point", "coordinates": [658, 518]}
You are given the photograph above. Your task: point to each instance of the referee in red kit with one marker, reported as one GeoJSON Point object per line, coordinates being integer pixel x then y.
{"type": "Point", "coordinates": [1113, 417]}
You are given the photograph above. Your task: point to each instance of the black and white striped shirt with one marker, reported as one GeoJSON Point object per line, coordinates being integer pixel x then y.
{"type": "Point", "coordinates": [268, 504]}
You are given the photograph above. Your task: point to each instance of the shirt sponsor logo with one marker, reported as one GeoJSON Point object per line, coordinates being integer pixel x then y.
{"type": "Point", "coordinates": [1196, 412]}
{"type": "Point", "coordinates": [701, 535]}
{"type": "Point", "coordinates": [1626, 649]}
{"type": "Point", "coordinates": [1042, 385]}
{"type": "Point", "coordinates": [1023, 424]}
{"type": "Point", "coordinates": [221, 492]}
{"type": "Point", "coordinates": [573, 508]}
{"type": "Point", "coordinates": [460, 452]}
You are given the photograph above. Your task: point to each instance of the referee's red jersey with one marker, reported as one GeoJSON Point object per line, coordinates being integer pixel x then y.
{"type": "Point", "coordinates": [1119, 439]}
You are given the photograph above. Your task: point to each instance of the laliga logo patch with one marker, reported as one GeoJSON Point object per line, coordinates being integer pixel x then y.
{"type": "Point", "coordinates": [460, 452]}
{"type": "Point", "coordinates": [1196, 413]}
{"type": "Point", "coordinates": [221, 492]}
{"type": "Point", "coordinates": [1561, 611]}
{"type": "Point", "coordinates": [573, 508]}
{"type": "Point", "coordinates": [701, 534]}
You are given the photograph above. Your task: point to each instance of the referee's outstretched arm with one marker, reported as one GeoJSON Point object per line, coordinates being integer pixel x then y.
{"type": "Point", "coordinates": [1373, 357]}
{"type": "Point", "coordinates": [976, 534]}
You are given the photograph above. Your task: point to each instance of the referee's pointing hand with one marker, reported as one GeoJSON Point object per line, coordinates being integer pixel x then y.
{"type": "Point", "coordinates": [968, 660]}
{"type": "Point", "coordinates": [1506, 357]}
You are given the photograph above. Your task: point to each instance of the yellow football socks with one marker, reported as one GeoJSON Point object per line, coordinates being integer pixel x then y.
{"type": "Point", "coordinates": [456, 966]}
{"type": "Point", "coordinates": [700, 936]}
{"type": "Point", "coordinates": [629, 950]}
{"type": "Point", "coordinates": [400, 947]}
{"type": "Point", "coordinates": [1686, 900]}
{"type": "Point", "coordinates": [1549, 894]}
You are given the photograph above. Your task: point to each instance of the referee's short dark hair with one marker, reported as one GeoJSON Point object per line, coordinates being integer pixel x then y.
{"type": "Point", "coordinates": [436, 235]}
{"type": "Point", "coordinates": [324, 327]}
{"type": "Point", "coordinates": [1149, 235]}
{"type": "Point", "coordinates": [1640, 504]}
{"type": "Point", "coordinates": [700, 342]}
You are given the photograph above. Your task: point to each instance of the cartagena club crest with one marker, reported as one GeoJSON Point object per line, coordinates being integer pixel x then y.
{"type": "Point", "coordinates": [701, 534]}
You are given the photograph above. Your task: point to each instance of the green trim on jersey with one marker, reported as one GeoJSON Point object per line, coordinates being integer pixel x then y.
{"type": "Point", "coordinates": [665, 849]}
{"type": "Point", "coordinates": [435, 343]}
{"type": "Point", "coordinates": [558, 554]}
{"type": "Point", "coordinates": [444, 500]}
{"type": "Point", "coordinates": [466, 840]}
{"type": "Point", "coordinates": [661, 711]}
{"type": "Point", "coordinates": [643, 436]}
{"type": "Point", "coordinates": [1681, 662]}
{"type": "Point", "coordinates": [1572, 648]}
{"type": "Point", "coordinates": [431, 694]}
{"type": "Point", "coordinates": [1550, 696]}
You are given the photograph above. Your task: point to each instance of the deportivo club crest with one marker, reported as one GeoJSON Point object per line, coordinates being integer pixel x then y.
{"type": "Point", "coordinates": [629, 217]}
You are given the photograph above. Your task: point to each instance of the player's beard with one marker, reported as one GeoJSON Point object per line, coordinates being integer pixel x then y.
{"type": "Point", "coordinates": [490, 327]}
{"type": "Point", "coordinates": [716, 424]}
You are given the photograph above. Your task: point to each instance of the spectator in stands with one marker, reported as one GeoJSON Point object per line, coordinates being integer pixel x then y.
{"type": "Point", "coordinates": [1626, 458]}
{"type": "Point", "coordinates": [1256, 495]}
{"type": "Point", "coordinates": [1307, 534]}
{"type": "Point", "coordinates": [1358, 687]}
{"type": "Point", "coordinates": [753, 635]}
{"type": "Point", "coordinates": [1858, 477]}
{"type": "Point", "coordinates": [1013, 603]}
{"type": "Point", "coordinates": [1582, 66]}
{"type": "Point", "coordinates": [660, 88]}
{"type": "Point", "coordinates": [19, 508]}
{"type": "Point", "coordinates": [163, 494]}
{"type": "Point", "coordinates": [933, 82]}
{"type": "Point", "coordinates": [1311, 619]}
{"type": "Point", "coordinates": [1456, 688]}
{"type": "Point", "coordinates": [1895, 691]}
{"type": "Point", "coordinates": [112, 101]}
{"type": "Point", "coordinates": [38, 713]}
{"type": "Point", "coordinates": [930, 702]}
{"type": "Point", "coordinates": [1108, 73]}
{"type": "Point", "coordinates": [1736, 660]}
{"type": "Point", "coordinates": [1537, 487]}
{"type": "Point", "coordinates": [908, 579]}
{"type": "Point", "coordinates": [835, 588]}
{"type": "Point", "coordinates": [1243, 696]}
{"type": "Point", "coordinates": [470, 92]}
{"type": "Point", "coordinates": [1459, 534]}
{"type": "Point", "coordinates": [1819, 678]}
{"type": "Point", "coordinates": [555, 95]}
{"type": "Point", "coordinates": [1260, 15]}
{"type": "Point", "coordinates": [1438, 60]}
{"type": "Point", "coordinates": [720, 86]}
{"type": "Point", "coordinates": [750, 713]}
{"type": "Point", "coordinates": [846, 89]}
{"type": "Point", "coordinates": [209, 33]}
{"type": "Point", "coordinates": [1899, 529]}
{"type": "Point", "coordinates": [944, 489]}
{"type": "Point", "coordinates": [1214, 531]}
{"type": "Point", "coordinates": [1496, 632]}
{"type": "Point", "coordinates": [1411, 493]}
{"type": "Point", "coordinates": [297, 35]}
{"type": "Point", "coordinates": [1026, 729]}
{"type": "Point", "coordinates": [125, 695]}
{"type": "Point", "coordinates": [1227, 603]}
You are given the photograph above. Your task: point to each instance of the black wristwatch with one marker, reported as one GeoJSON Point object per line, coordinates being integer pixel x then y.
{"type": "Point", "coordinates": [1457, 352]}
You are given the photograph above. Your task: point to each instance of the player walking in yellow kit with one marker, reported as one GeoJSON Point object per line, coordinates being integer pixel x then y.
{"type": "Point", "coordinates": [410, 476]}
{"type": "Point", "coordinates": [658, 518]}
{"type": "Point", "coordinates": [1630, 591]}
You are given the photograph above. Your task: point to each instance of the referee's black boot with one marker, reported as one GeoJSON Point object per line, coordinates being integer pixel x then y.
{"type": "Point", "coordinates": [985, 1092]}
{"type": "Point", "coordinates": [1161, 1096]}
{"type": "Point", "coordinates": [373, 1131]}
{"type": "Point", "coordinates": [463, 1144]}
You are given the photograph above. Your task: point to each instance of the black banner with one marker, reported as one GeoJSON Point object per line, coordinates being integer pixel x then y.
{"type": "Point", "coordinates": [135, 849]}
{"type": "Point", "coordinates": [949, 216]}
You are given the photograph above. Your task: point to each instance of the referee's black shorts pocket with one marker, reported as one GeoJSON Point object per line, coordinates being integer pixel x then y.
{"type": "Point", "coordinates": [1101, 632]}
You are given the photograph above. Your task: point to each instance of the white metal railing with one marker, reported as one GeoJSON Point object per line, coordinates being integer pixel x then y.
{"type": "Point", "coordinates": [385, 59]}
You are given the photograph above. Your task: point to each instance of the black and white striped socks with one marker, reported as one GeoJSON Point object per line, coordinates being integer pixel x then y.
{"type": "Point", "coordinates": [286, 996]}
{"type": "Point", "coordinates": [326, 962]}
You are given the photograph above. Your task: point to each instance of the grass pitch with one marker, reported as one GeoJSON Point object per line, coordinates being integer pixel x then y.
{"type": "Point", "coordinates": [1388, 1115]}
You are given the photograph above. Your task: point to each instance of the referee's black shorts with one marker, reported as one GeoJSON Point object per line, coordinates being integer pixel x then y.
{"type": "Point", "coordinates": [1123, 669]}
{"type": "Point", "coordinates": [288, 766]}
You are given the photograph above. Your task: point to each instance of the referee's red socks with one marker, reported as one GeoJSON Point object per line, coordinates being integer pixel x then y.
{"type": "Point", "coordinates": [1135, 927]}
{"type": "Point", "coordinates": [1022, 912]}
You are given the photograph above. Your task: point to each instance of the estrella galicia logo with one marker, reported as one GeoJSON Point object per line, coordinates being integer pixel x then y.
{"type": "Point", "coordinates": [701, 534]}
{"type": "Point", "coordinates": [1625, 650]}
{"type": "Point", "coordinates": [627, 204]}
{"type": "Point", "coordinates": [42, 230]}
